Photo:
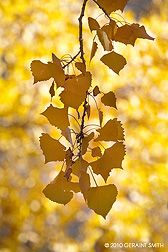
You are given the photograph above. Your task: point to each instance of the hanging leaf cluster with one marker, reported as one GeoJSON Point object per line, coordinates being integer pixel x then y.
{"type": "Point", "coordinates": [77, 91]}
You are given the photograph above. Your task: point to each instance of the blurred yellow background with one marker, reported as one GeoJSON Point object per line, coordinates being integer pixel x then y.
{"type": "Point", "coordinates": [30, 222]}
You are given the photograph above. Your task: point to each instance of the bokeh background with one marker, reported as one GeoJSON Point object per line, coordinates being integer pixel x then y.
{"type": "Point", "coordinates": [30, 222]}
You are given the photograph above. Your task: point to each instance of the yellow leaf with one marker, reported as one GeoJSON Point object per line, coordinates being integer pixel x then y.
{"type": "Point", "coordinates": [93, 24]}
{"type": "Point", "coordinates": [57, 116]}
{"type": "Point", "coordinates": [43, 72]}
{"type": "Point", "coordinates": [84, 183]}
{"type": "Point", "coordinates": [128, 34]}
{"type": "Point", "coordinates": [110, 29]}
{"type": "Point", "coordinates": [52, 149]}
{"type": "Point", "coordinates": [79, 165]}
{"type": "Point", "coordinates": [81, 67]}
{"type": "Point", "coordinates": [93, 50]}
{"type": "Point", "coordinates": [109, 99]}
{"type": "Point", "coordinates": [96, 152]}
{"type": "Point", "coordinates": [88, 110]}
{"type": "Point", "coordinates": [85, 142]}
{"type": "Point", "coordinates": [103, 38]}
{"type": "Point", "coordinates": [52, 91]}
{"type": "Point", "coordinates": [75, 90]}
{"type": "Point", "coordinates": [100, 199]}
{"type": "Point", "coordinates": [59, 189]}
{"type": "Point", "coordinates": [112, 158]}
{"type": "Point", "coordinates": [114, 61]}
{"type": "Point", "coordinates": [109, 132]}
{"type": "Point", "coordinates": [112, 5]}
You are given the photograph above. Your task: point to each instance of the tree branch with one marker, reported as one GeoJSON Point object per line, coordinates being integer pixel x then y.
{"type": "Point", "coordinates": [80, 31]}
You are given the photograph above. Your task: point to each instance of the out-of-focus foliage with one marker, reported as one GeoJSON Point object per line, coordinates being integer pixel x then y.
{"type": "Point", "coordinates": [29, 222]}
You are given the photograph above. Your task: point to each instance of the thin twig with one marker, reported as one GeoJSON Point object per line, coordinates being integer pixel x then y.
{"type": "Point", "coordinates": [102, 9]}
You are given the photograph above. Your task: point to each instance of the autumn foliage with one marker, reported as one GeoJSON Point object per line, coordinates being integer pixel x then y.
{"type": "Point", "coordinates": [76, 92]}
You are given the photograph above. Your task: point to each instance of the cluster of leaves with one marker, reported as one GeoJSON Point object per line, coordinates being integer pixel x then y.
{"type": "Point", "coordinates": [75, 95]}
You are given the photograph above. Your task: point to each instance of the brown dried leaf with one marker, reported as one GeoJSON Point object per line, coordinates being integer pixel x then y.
{"type": "Point", "coordinates": [57, 116]}
{"type": "Point", "coordinates": [109, 99]}
{"type": "Point", "coordinates": [112, 158]}
{"type": "Point", "coordinates": [114, 61]}
{"type": "Point", "coordinates": [52, 149]}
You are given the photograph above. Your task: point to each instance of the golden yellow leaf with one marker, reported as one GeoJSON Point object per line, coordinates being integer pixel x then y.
{"type": "Point", "coordinates": [88, 110]}
{"type": "Point", "coordinates": [120, 129]}
{"type": "Point", "coordinates": [93, 24]}
{"type": "Point", "coordinates": [109, 132]}
{"type": "Point", "coordinates": [93, 50]}
{"type": "Point", "coordinates": [112, 5]}
{"type": "Point", "coordinates": [109, 99]}
{"type": "Point", "coordinates": [85, 142]}
{"type": "Point", "coordinates": [80, 164]}
{"type": "Point", "coordinates": [112, 158]}
{"type": "Point", "coordinates": [114, 61]}
{"type": "Point", "coordinates": [81, 67]}
{"type": "Point", "coordinates": [96, 152]}
{"type": "Point", "coordinates": [75, 90]}
{"type": "Point", "coordinates": [52, 149]}
{"type": "Point", "coordinates": [43, 72]}
{"type": "Point", "coordinates": [104, 40]}
{"type": "Point", "coordinates": [128, 34]}
{"type": "Point", "coordinates": [100, 199]}
{"type": "Point", "coordinates": [84, 183]}
{"type": "Point", "coordinates": [96, 91]}
{"type": "Point", "coordinates": [57, 116]}
{"type": "Point", "coordinates": [59, 189]}
{"type": "Point", "coordinates": [52, 91]}
{"type": "Point", "coordinates": [110, 29]}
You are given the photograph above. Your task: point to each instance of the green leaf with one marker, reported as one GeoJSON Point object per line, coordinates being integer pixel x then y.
{"type": "Point", "coordinates": [100, 199]}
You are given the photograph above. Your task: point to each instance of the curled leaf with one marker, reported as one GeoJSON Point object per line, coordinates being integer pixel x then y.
{"type": "Point", "coordinates": [114, 61]}
{"type": "Point", "coordinates": [100, 199]}
{"type": "Point", "coordinates": [93, 50]}
{"type": "Point", "coordinates": [104, 40]}
{"type": "Point", "coordinates": [110, 29]}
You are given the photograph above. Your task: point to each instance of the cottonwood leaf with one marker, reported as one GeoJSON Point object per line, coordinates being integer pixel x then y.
{"type": "Point", "coordinates": [80, 164]}
{"type": "Point", "coordinates": [84, 183]}
{"type": "Point", "coordinates": [85, 142]}
{"type": "Point", "coordinates": [67, 134]}
{"type": "Point", "coordinates": [43, 72]}
{"type": "Point", "coordinates": [96, 91]}
{"type": "Point", "coordinates": [128, 34]}
{"type": "Point", "coordinates": [109, 132]}
{"type": "Point", "coordinates": [59, 190]}
{"type": "Point", "coordinates": [81, 67]}
{"type": "Point", "coordinates": [93, 50]}
{"type": "Point", "coordinates": [104, 40]}
{"type": "Point", "coordinates": [112, 5]}
{"type": "Point", "coordinates": [110, 29]}
{"type": "Point", "coordinates": [109, 99]}
{"type": "Point", "coordinates": [93, 24]}
{"type": "Point", "coordinates": [120, 130]}
{"type": "Point", "coordinates": [100, 199]}
{"type": "Point", "coordinates": [96, 152]}
{"type": "Point", "coordinates": [100, 117]}
{"type": "Point", "coordinates": [52, 91]}
{"type": "Point", "coordinates": [75, 90]}
{"type": "Point", "coordinates": [112, 158]}
{"type": "Point", "coordinates": [88, 110]}
{"type": "Point", "coordinates": [114, 61]}
{"type": "Point", "coordinates": [57, 116]}
{"type": "Point", "coordinates": [52, 149]}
